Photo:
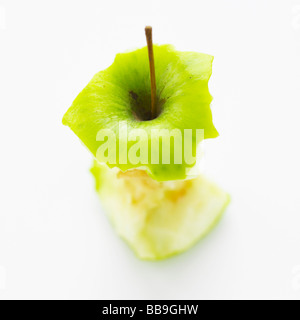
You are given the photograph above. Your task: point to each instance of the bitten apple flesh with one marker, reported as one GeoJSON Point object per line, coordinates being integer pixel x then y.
{"type": "Point", "coordinates": [158, 219]}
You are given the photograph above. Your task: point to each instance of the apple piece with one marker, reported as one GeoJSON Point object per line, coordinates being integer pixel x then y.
{"type": "Point", "coordinates": [122, 93]}
{"type": "Point", "coordinates": [158, 219]}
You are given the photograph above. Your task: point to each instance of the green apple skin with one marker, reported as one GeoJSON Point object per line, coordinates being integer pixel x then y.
{"type": "Point", "coordinates": [158, 219]}
{"type": "Point", "coordinates": [122, 93]}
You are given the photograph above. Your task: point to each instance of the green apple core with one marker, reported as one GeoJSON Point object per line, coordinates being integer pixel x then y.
{"type": "Point", "coordinates": [152, 205]}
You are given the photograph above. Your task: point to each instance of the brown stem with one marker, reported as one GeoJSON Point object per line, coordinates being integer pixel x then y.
{"type": "Point", "coordinates": [148, 31]}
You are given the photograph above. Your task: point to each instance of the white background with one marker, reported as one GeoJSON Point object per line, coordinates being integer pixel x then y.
{"type": "Point", "coordinates": [55, 242]}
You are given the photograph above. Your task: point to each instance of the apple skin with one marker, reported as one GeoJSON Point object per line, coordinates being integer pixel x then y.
{"type": "Point", "coordinates": [122, 93]}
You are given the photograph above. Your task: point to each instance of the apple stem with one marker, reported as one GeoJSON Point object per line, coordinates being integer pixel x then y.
{"type": "Point", "coordinates": [148, 31]}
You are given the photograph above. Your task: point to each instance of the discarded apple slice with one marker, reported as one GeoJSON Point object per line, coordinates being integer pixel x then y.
{"type": "Point", "coordinates": [158, 219]}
